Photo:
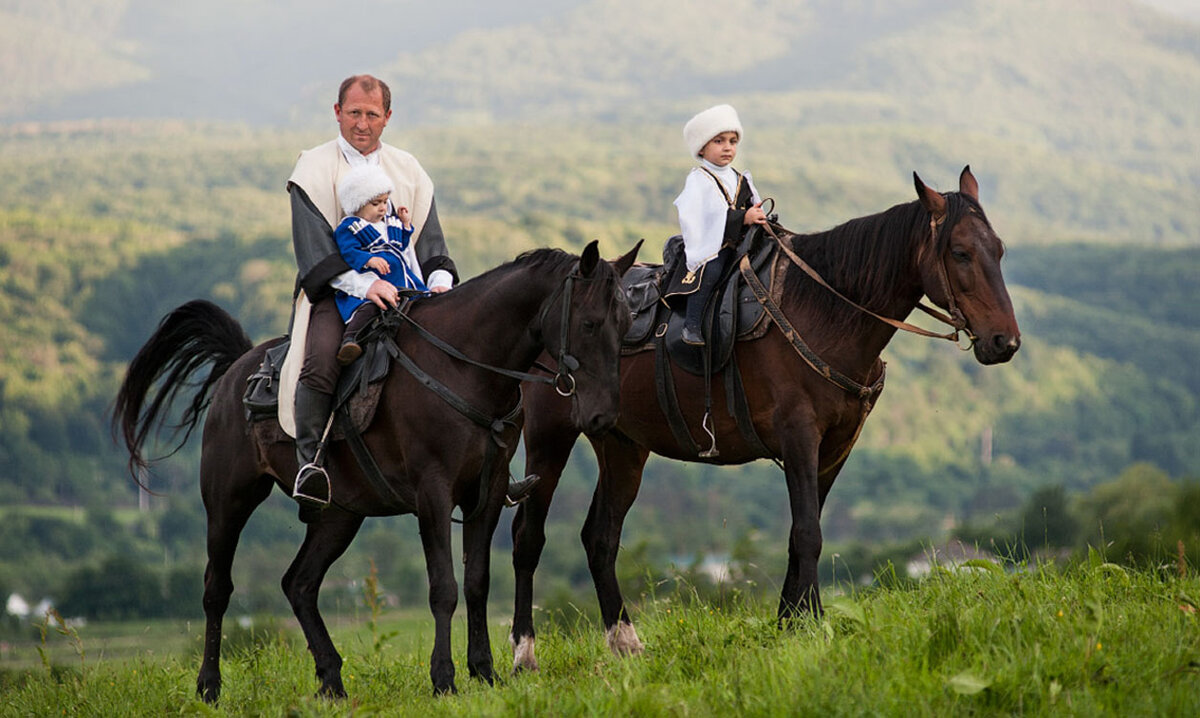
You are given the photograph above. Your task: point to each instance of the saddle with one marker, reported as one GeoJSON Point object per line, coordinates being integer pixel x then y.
{"type": "Point", "coordinates": [654, 293]}
{"type": "Point", "coordinates": [356, 397]}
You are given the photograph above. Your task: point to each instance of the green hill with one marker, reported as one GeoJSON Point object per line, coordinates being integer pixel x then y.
{"type": "Point", "coordinates": [1079, 120]}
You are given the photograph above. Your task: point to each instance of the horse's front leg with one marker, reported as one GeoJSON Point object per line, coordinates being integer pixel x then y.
{"type": "Point", "coordinates": [324, 542]}
{"type": "Point", "coordinates": [434, 519]}
{"type": "Point", "coordinates": [477, 544]}
{"type": "Point", "coordinates": [801, 592]}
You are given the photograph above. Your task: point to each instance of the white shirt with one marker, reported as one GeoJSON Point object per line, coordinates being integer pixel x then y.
{"type": "Point", "coordinates": [702, 210]}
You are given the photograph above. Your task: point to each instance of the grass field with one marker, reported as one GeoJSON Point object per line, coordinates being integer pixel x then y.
{"type": "Point", "coordinates": [1092, 640]}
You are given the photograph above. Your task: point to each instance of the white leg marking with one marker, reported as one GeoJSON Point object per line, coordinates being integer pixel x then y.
{"type": "Point", "coordinates": [623, 640]}
{"type": "Point", "coordinates": [523, 657]}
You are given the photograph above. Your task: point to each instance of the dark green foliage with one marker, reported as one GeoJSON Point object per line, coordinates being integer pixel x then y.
{"type": "Point", "coordinates": [116, 588]}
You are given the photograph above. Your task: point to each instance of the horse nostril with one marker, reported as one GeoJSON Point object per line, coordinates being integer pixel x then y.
{"type": "Point", "coordinates": [1006, 343]}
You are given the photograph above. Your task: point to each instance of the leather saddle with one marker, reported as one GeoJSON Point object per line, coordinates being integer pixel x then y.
{"type": "Point", "coordinates": [358, 389]}
{"type": "Point", "coordinates": [657, 294]}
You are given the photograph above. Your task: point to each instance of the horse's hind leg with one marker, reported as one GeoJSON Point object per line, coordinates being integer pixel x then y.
{"type": "Point", "coordinates": [621, 463]}
{"type": "Point", "coordinates": [547, 451]}
{"type": "Point", "coordinates": [324, 542]}
{"type": "Point", "coordinates": [229, 504]}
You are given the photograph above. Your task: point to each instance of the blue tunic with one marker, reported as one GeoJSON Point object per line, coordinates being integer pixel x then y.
{"type": "Point", "coordinates": [358, 240]}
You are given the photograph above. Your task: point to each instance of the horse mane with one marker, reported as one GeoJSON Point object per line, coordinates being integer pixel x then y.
{"type": "Point", "coordinates": [544, 261]}
{"type": "Point", "coordinates": [869, 259]}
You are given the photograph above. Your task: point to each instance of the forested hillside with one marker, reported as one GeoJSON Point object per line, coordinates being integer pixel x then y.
{"type": "Point", "coordinates": [1081, 121]}
{"type": "Point", "coordinates": [149, 218]}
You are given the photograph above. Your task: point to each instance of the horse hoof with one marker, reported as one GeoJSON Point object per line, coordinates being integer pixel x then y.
{"type": "Point", "coordinates": [524, 658]}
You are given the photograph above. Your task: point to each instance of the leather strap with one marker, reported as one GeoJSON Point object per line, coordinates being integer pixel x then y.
{"type": "Point", "coordinates": [818, 364]}
{"type": "Point", "coordinates": [668, 400]}
{"type": "Point", "coordinates": [959, 325]}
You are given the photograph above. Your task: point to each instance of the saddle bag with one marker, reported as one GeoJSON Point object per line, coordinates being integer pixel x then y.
{"type": "Point", "coordinates": [262, 387]}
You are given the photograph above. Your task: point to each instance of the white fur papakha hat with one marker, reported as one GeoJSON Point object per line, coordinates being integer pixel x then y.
{"type": "Point", "coordinates": [708, 124]}
{"type": "Point", "coordinates": [360, 185]}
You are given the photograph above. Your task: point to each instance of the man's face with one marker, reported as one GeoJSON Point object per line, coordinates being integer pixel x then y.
{"type": "Point", "coordinates": [362, 118]}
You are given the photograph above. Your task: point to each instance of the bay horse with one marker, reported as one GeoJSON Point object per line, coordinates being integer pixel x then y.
{"type": "Point", "coordinates": [429, 455]}
{"type": "Point", "coordinates": [870, 272]}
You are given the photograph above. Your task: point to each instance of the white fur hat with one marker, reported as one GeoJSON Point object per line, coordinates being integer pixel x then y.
{"type": "Point", "coordinates": [708, 124]}
{"type": "Point", "coordinates": [361, 185]}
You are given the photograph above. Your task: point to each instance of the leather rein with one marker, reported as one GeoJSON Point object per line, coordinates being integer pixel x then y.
{"type": "Point", "coordinates": [955, 319]}
{"type": "Point", "coordinates": [562, 380]}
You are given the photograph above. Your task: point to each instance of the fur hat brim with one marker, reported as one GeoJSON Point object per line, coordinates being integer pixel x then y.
{"type": "Point", "coordinates": [708, 124]}
{"type": "Point", "coordinates": [360, 185]}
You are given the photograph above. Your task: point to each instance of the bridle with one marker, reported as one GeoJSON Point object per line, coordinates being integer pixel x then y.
{"type": "Point", "coordinates": [955, 319]}
{"type": "Point", "coordinates": [562, 380]}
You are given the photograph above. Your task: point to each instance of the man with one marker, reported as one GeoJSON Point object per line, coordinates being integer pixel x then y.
{"type": "Point", "coordinates": [362, 110]}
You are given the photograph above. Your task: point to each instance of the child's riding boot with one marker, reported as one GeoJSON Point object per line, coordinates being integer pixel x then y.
{"type": "Point", "coordinates": [313, 410]}
{"type": "Point", "coordinates": [697, 301]}
{"type": "Point", "coordinates": [351, 349]}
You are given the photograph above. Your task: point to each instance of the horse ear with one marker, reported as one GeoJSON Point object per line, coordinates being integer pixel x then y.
{"type": "Point", "coordinates": [932, 201]}
{"type": "Point", "coordinates": [590, 258]}
{"type": "Point", "coordinates": [967, 184]}
{"type": "Point", "coordinates": [625, 261]}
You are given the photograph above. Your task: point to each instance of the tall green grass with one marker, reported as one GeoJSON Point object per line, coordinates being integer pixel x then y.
{"type": "Point", "coordinates": [1090, 640]}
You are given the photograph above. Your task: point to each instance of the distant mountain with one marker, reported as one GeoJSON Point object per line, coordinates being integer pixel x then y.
{"type": "Point", "coordinates": [1093, 108]}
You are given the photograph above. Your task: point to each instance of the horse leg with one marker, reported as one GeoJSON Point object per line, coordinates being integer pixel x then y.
{"type": "Point", "coordinates": [324, 542]}
{"type": "Point", "coordinates": [477, 545]}
{"type": "Point", "coordinates": [801, 593]}
{"type": "Point", "coordinates": [546, 455]}
{"type": "Point", "coordinates": [228, 510]}
{"type": "Point", "coordinates": [434, 519]}
{"type": "Point", "coordinates": [621, 462]}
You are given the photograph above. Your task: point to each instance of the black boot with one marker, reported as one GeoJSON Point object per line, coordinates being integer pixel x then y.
{"type": "Point", "coordinates": [313, 409]}
{"type": "Point", "coordinates": [697, 301]}
{"type": "Point", "coordinates": [351, 349]}
{"type": "Point", "coordinates": [519, 489]}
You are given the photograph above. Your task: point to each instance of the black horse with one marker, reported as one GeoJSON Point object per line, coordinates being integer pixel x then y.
{"type": "Point", "coordinates": [805, 413]}
{"type": "Point", "coordinates": [432, 458]}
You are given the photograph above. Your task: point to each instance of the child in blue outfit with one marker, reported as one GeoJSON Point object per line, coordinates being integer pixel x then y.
{"type": "Point", "coordinates": [716, 207]}
{"type": "Point", "coordinates": [371, 239]}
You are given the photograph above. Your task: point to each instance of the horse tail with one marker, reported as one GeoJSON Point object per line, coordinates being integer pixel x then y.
{"type": "Point", "coordinates": [194, 334]}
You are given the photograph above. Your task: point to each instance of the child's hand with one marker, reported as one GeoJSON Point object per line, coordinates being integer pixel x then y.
{"type": "Point", "coordinates": [405, 217]}
{"type": "Point", "coordinates": [379, 264]}
{"type": "Point", "coordinates": [755, 215]}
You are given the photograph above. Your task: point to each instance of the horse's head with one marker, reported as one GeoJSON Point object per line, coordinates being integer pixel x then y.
{"type": "Point", "coordinates": [582, 328]}
{"type": "Point", "coordinates": [960, 269]}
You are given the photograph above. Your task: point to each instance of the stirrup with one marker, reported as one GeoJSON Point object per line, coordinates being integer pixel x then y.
{"type": "Point", "coordinates": [520, 489]}
{"type": "Point", "coordinates": [307, 475]}
{"type": "Point", "coordinates": [707, 425]}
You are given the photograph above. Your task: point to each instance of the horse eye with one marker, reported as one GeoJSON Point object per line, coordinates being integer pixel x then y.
{"type": "Point", "coordinates": [589, 326]}
{"type": "Point", "coordinates": [960, 256]}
